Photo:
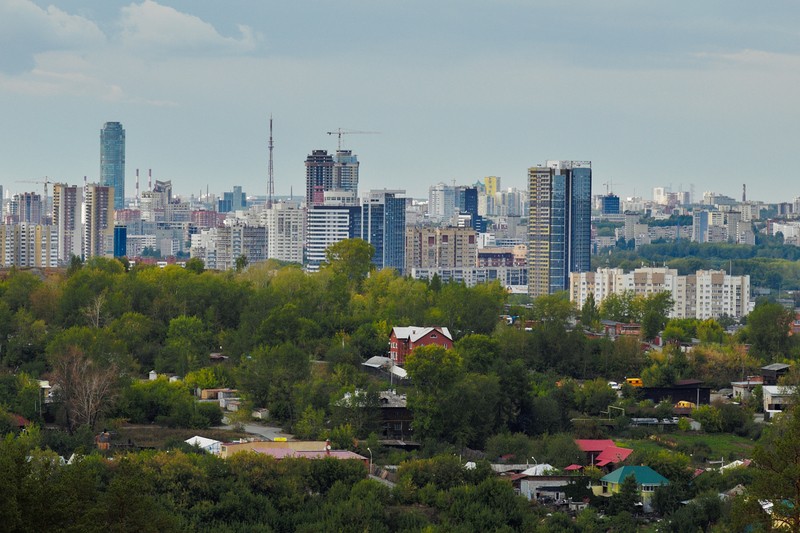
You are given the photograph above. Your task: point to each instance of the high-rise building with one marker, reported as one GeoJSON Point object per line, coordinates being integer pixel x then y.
{"type": "Point", "coordinates": [319, 176]}
{"type": "Point", "coordinates": [28, 207]}
{"type": "Point", "coordinates": [286, 229]}
{"type": "Point", "coordinates": [112, 161]}
{"type": "Point", "coordinates": [609, 204]}
{"type": "Point", "coordinates": [233, 201]}
{"type": "Point", "coordinates": [559, 224]}
{"type": "Point", "coordinates": [329, 223]}
{"type": "Point", "coordinates": [704, 294]}
{"type": "Point", "coordinates": [67, 218]}
{"type": "Point", "coordinates": [383, 225]}
{"type": "Point", "coordinates": [442, 202]}
{"type": "Point", "coordinates": [345, 171]}
{"type": "Point", "coordinates": [28, 245]}
{"type": "Point", "coordinates": [492, 184]}
{"type": "Point", "coordinates": [98, 219]}
{"type": "Point", "coordinates": [448, 247]}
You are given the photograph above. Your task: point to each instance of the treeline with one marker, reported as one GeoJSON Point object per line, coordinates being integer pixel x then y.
{"type": "Point", "coordinates": [769, 263]}
{"type": "Point", "coordinates": [295, 343]}
{"type": "Point", "coordinates": [178, 491]}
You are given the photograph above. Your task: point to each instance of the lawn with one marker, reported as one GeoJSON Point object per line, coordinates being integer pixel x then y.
{"type": "Point", "coordinates": [714, 446]}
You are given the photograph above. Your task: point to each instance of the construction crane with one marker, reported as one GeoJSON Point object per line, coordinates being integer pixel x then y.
{"type": "Point", "coordinates": [46, 181]}
{"type": "Point", "coordinates": [339, 132]}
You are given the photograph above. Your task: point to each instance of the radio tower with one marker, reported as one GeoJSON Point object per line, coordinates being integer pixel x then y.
{"type": "Point", "coordinates": [271, 183]}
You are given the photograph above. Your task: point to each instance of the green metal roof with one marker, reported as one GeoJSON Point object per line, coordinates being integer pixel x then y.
{"type": "Point", "coordinates": [644, 475]}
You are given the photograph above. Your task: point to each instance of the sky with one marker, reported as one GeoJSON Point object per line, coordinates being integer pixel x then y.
{"type": "Point", "coordinates": [682, 94]}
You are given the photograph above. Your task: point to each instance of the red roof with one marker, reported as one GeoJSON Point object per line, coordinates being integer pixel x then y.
{"type": "Point", "coordinates": [593, 446]}
{"type": "Point", "coordinates": [20, 421]}
{"type": "Point", "coordinates": [612, 454]}
{"type": "Point", "coordinates": [573, 467]}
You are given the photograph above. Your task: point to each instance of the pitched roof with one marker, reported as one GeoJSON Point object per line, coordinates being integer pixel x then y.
{"type": "Point", "coordinates": [539, 470]}
{"type": "Point", "coordinates": [593, 445]}
{"type": "Point", "coordinates": [612, 454]}
{"type": "Point", "coordinates": [775, 366]}
{"type": "Point", "coordinates": [414, 333]}
{"type": "Point", "coordinates": [202, 442]}
{"type": "Point", "coordinates": [644, 475]}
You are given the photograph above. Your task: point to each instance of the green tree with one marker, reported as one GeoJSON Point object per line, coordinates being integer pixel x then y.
{"type": "Point", "coordinates": [654, 311]}
{"type": "Point", "coordinates": [710, 331]}
{"type": "Point", "coordinates": [434, 371]}
{"type": "Point", "coordinates": [767, 331]}
{"type": "Point", "coordinates": [590, 314]}
{"type": "Point", "coordinates": [626, 499]}
{"type": "Point", "coordinates": [350, 259]}
{"type": "Point", "coordinates": [777, 469]}
{"type": "Point", "coordinates": [270, 375]}
{"type": "Point", "coordinates": [241, 263]}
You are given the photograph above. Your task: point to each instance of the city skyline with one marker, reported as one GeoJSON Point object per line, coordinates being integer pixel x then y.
{"type": "Point", "coordinates": [655, 95]}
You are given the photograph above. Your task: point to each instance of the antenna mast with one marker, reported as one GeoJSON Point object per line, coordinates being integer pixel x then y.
{"type": "Point", "coordinates": [271, 183]}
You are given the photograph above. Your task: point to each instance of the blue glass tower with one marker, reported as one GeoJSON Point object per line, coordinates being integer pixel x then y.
{"type": "Point", "coordinates": [610, 204]}
{"type": "Point", "coordinates": [559, 224]}
{"type": "Point", "coordinates": [383, 224]}
{"type": "Point", "coordinates": [112, 161]}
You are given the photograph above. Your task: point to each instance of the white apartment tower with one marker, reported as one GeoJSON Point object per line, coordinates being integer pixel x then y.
{"type": "Point", "coordinates": [704, 294]}
{"type": "Point", "coordinates": [286, 229]}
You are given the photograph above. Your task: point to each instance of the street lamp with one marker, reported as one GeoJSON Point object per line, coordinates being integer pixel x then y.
{"type": "Point", "coordinates": [370, 460]}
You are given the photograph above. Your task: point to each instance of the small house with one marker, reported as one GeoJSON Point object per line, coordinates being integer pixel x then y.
{"type": "Point", "coordinates": [647, 481]}
{"type": "Point", "coordinates": [776, 398]}
{"type": "Point", "coordinates": [403, 340]}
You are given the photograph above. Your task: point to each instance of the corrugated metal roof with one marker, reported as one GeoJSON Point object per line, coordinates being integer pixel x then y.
{"type": "Point", "coordinates": [644, 475]}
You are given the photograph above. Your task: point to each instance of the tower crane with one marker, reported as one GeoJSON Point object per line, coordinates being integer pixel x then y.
{"type": "Point", "coordinates": [339, 132]}
{"type": "Point", "coordinates": [46, 181]}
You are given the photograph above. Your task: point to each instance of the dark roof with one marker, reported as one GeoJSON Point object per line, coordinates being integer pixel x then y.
{"type": "Point", "coordinates": [774, 367]}
{"type": "Point", "coordinates": [688, 382]}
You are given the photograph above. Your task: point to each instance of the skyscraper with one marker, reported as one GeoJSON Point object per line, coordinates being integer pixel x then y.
{"type": "Point", "coordinates": [319, 177]}
{"type": "Point", "coordinates": [559, 224]}
{"type": "Point", "coordinates": [112, 161]}
{"type": "Point", "coordinates": [345, 171]}
{"type": "Point", "coordinates": [383, 225]}
{"type": "Point", "coordinates": [67, 218]}
{"type": "Point", "coordinates": [98, 217]}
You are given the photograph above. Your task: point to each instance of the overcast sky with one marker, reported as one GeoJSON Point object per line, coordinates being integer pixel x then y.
{"type": "Point", "coordinates": [674, 93]}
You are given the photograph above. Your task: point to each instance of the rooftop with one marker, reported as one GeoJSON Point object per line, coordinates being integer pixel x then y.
{"type": "Point", "coordinates": [644, 475]}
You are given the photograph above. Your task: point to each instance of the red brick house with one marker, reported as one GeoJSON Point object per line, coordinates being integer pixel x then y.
{"type": "Point", "coordinates": [403, 340]}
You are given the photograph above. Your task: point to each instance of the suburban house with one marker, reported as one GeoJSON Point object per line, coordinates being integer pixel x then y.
{"type": "Point", "coordinates": [647, 481]}
{"type": "Point", "coordinates": [403, 340]}
{"type": "Point", "coordinates": [776, 398]}
{"type": "Point", "coordinates": [772, 373]}
{"type": "Point", "coordinates": [283, 449]}
{"type": "Point", "coordinates": [603, 453]}
{"type": "Point", "coordinates": [205, 444]}
{"type": "Point", "coordinates": [613, 329]}
{"type": "Point", "coordinates": [396, 418]}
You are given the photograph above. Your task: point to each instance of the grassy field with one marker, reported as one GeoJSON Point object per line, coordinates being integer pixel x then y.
{"type": "Point", "coordinates": [157, 437]}
{"type": "Point", "coordinates": [712, 446]}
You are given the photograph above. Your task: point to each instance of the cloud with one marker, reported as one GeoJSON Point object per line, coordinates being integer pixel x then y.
{"type": "Point", "coordinates": [152, 26]}
{"type": "Point", "coordinates": [26, 29]}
